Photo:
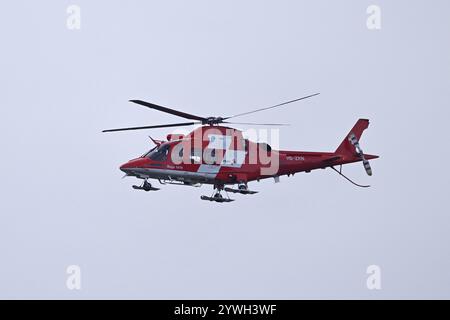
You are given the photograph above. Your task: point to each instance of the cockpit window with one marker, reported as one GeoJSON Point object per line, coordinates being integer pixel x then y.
{"type": "Point", "coordinates": [159, 153]}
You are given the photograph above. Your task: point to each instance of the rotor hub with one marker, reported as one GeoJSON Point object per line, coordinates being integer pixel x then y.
{"type": "Point", "coordinates": [213, 120]}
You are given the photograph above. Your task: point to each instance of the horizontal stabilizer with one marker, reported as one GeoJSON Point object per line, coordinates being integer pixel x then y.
{"type": "Point", "coordinates": [331, 159]}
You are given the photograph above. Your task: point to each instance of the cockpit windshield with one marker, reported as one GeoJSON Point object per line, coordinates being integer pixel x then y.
{"type": "Point", "coordinates": [145, 155]}
{"type": "Point", "coordinates": [158, 153]}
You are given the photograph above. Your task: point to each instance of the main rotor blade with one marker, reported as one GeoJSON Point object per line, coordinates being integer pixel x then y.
{"type": "Point", "coordinates": [271, 107]}
{"type": "Point", "coordinates": [168, 110]}
{"type": "Point", "coordinates": [258, 124]}
{"type": "Point", "coordinates": [154, 127]}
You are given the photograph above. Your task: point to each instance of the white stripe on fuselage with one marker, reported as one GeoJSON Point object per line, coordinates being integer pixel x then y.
{"type": "Point", "coordinates": [231, 158]}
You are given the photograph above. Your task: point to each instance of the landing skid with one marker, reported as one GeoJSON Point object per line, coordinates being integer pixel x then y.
{"type": "Point", "coordinates": [146, 186]}
{"type": "Point", "coordinates": [142, 188]}
{"type": "Point", "coordinates": [216, 199]}
{"type": "Point", "coordinates": [241, 191]}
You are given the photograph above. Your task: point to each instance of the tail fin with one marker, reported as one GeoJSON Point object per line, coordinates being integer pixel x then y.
{"type": "Point", "coordinates": [346, 147]}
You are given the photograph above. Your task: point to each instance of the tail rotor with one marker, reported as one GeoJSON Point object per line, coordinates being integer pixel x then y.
{"type": "Point", "coordinates": [354, 141]}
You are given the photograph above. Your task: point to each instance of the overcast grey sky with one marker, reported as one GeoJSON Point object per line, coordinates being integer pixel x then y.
{"type": "Point", "coordinates": [311, 236]}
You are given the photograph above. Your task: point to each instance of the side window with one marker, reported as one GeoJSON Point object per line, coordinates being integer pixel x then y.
{"type": "Point", "coordinates": [210, 156]}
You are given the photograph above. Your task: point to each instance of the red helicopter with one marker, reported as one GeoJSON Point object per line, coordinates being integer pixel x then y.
{"type": "Point", "coordinates": [221, 156]}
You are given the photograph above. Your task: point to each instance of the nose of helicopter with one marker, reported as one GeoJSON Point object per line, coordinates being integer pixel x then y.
{"type": "Point", "coordinates": [132, 167]}
{"type": "Point", "coordinates": [125, 168]}
{"type": "Point", "coordinates": [128, 167]}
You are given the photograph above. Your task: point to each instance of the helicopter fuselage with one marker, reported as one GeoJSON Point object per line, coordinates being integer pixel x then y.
{"type": "Point", "coordinates": [221, 156]}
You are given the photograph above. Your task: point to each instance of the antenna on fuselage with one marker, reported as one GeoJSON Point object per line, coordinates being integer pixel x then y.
{"type": "Point", "coordinates": [157, 142]}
